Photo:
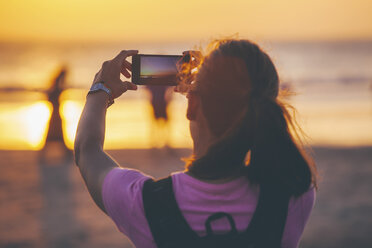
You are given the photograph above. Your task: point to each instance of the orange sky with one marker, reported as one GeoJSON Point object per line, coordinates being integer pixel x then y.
{"type": "Point", "coordinates": [174, 20]}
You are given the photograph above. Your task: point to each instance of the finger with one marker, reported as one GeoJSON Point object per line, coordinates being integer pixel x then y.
{"type": "Point", "coordinates": [127, 65]}
{"type": "Point", "coordinates": [124, 54]}
{"type": "Point", "coordinates": [125, 72]}
{"type": "Point", "coordinates": [130, 85]}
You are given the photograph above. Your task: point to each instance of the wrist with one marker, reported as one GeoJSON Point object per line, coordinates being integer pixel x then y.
{"type": "Point", "coordinates": [100, 87]}
{"type": "Point", "coordinates": [99, 97]}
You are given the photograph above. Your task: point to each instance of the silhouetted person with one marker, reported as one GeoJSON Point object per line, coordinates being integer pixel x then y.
{"type": "Point", "coordinates": [160, 97]}
{"type": "Point", "coordinates": [55, 133]}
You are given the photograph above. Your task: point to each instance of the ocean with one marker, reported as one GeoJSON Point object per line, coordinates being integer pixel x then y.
{"type": "Point", "coordinates": [332, 81]}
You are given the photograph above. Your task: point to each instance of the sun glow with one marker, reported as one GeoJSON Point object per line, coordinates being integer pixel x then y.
{"type": "Point", "coordinates": [129, 123]}
{"type": "Point", "coordinates": [70, 113]}
{"type": "Point", "coordinates": [24, 127]}
{"type": "Point", "coordinates": [37, 117]}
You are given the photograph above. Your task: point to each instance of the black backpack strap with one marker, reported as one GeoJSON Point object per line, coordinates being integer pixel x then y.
{"type": "Point", "coordinates": [268, 222]}
{"type": "Point", "coordinates": [163, 215]}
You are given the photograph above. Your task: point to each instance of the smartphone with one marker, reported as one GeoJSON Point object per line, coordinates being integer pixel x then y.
{"type": "Point", "coordinates": [152, 69]}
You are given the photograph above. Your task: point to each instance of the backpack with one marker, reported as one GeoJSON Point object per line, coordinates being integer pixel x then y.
{"type": "Point", "coordinates": [170, 229]}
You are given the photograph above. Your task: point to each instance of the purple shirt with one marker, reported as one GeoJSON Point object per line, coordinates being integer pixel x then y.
{"type": "Point", "coordinates": [122, 197]}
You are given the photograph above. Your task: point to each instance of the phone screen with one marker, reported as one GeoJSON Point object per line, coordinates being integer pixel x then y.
{"type": "Point", "coordinates": [150, 69]}
{"type": "Point", "coordinates": [159, 66]}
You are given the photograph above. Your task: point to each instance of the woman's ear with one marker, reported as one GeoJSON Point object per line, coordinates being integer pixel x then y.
{"type": "Point", "coordinates": [192, 107]}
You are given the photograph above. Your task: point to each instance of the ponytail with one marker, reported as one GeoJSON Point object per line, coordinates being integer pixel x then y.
{"type": "Point", "coordinates": [275, 157]}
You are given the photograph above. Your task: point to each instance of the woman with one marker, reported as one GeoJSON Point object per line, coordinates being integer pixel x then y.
{"type": "Point", "coordinates": [242, 146]}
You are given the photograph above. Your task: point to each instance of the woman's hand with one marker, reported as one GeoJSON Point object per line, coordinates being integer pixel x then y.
{"type": "Point", "coordinates": [110, 73]}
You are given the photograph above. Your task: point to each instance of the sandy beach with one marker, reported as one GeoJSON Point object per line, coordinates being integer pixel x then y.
{"type": "Point", "coordinates": [46, 204]}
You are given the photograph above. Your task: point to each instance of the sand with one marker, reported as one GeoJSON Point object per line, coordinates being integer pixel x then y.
{"type": "Point", "coordinates": [45, 204]}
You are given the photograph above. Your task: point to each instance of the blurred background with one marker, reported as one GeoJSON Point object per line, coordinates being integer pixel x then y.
{"type": "Point", "coordinates": [51, 50]}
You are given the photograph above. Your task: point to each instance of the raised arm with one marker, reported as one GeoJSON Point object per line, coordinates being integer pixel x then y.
{"type": "Point", "coordinates": [92, 161]}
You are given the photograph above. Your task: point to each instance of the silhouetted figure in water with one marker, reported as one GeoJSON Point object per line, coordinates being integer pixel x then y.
{"type": "Point", "coordinates": [160, 97]}
{"type": "Point", "coordinates": [55, 133]}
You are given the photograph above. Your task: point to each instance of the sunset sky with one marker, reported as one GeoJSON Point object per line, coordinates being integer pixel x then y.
{"type": "Point", "coordinates": [170, 20]}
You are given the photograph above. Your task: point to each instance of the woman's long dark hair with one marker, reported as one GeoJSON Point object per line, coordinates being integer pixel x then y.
{"type": "Point", "coordinates": [263, 131]}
